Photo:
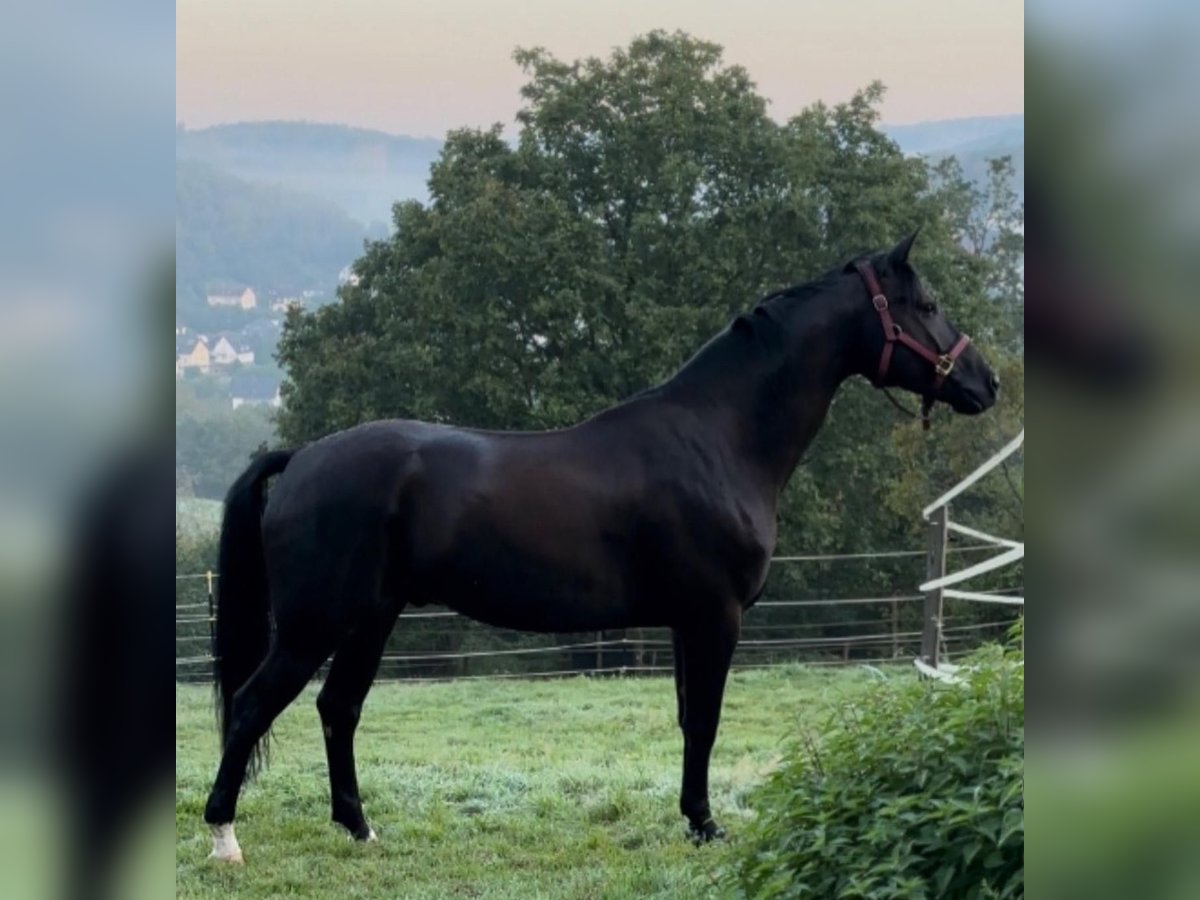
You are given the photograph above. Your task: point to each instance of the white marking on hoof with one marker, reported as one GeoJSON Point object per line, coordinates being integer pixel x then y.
{"type": "Point", "coordinates": [371, 835]}
{"type": "Point", "coordinates": [225, 845]}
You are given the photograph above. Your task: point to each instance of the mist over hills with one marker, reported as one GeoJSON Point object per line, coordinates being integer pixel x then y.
{"type": "Point", "coordinates": [362, 171]}
{"type": "Point", "coordinates": [949, 135]}
{"type": "Point", "coordinates": [974, 141]}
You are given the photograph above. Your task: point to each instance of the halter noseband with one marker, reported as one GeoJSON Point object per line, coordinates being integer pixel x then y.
{"type": "Point", "coordinates": [943, 363]}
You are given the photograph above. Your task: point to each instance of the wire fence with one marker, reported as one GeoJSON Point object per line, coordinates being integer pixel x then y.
{"type": "Point", "coordinates": [789, 625]}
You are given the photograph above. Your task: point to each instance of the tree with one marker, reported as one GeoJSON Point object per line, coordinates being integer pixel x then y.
{"type": "Point", "coordinates": [214, 443]}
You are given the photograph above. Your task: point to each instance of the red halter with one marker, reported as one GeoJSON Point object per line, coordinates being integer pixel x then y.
{"type": "Point", "coordinates": [943, 363]}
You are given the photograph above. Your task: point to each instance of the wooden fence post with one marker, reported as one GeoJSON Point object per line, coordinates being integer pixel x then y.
{"type": "Point", "coordinates": [212, 622]}
{"type": "Point", "coordinates": [935, 567]}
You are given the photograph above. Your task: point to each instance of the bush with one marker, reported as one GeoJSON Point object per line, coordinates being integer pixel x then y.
{"type": "Point", "coordinates": [915, 790]}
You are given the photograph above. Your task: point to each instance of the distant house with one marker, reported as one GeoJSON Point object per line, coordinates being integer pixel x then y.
{"type": "Point", "coordinates": [283, 304]}
{"type": "Point", "coordinates": [245, 298]}
{"type": "Point", "coordinates": [225, 352]}
{"type": "Point", "coordinates": [192, 354]}
{"type": "Point", "coordinates": [255, 390]}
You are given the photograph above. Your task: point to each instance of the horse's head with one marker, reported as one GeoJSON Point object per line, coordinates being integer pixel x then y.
{"type": "Point", "coordinates": [910, 344]}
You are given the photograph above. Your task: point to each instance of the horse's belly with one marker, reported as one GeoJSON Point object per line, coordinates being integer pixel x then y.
{"type": "Point", "coordinates": [528, 597]}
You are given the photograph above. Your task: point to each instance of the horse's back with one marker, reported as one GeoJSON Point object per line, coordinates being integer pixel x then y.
{"type": "Point", "coordinates": [349, 470]}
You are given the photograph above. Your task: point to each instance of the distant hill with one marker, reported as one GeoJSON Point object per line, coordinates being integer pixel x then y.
{"type": "Point", "coordinates": [946, 135]}
{"type": "Point", "coordinates": [362, 171]}
{"type": "Point", "coordinates": [231, 232]}
{"type": "Point", "coordinates": [974, 141]}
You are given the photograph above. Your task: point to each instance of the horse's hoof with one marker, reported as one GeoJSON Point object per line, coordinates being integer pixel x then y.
{"type": "Point", "coordinates": [225, 846]}
{"type": "Point", "coordinates": [706, 832]}
{"type": "Point", "coordinates": [364, 833]}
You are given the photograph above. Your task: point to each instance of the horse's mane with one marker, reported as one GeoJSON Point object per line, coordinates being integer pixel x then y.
{"type": "Point", "coordinates": [807, 289]}
{"type": "Point", "coordinates": [760, 327]}
{"type": "Point", "coordinates": [757, 333]}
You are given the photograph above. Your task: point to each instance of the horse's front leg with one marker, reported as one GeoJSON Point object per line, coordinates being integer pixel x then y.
{"type": "Point", "coordinates": [707, 649]}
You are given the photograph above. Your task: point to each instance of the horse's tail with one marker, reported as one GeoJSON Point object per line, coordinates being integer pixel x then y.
{"type": "Point", "coordinates": [243, 628]}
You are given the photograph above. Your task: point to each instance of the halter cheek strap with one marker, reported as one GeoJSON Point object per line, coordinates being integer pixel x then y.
{"type": "Point", "coordinates": [943, 363]}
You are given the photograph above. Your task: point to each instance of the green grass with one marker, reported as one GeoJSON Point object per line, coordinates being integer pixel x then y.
{"type": "Point", "coordinates": [513, 789]}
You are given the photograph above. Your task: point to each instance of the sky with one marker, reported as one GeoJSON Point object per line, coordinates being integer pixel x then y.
{"type": "Point", "coordinates": [420, 68]}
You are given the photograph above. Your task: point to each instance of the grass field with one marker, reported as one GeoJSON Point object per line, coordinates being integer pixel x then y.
{"type": "Point", "coordinates": [513, 789]}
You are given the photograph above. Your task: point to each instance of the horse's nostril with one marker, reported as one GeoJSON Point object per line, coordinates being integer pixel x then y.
{"type": "Point", "coordinates": [994, 380]}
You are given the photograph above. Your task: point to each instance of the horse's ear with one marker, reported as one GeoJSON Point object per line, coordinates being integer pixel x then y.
{"type": "Point", "coordinates": [899, 254]}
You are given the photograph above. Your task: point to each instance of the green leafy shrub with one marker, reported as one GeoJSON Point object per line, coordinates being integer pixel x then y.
{"type": "Point", "coordinates": [914, 790]}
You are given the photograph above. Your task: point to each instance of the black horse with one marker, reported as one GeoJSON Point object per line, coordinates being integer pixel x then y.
{"type": "Point", "coordinates": [660, 511]}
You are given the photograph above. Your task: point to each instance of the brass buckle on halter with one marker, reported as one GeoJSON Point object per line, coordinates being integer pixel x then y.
{"type": "Point", "coordinates": [879, 302]}
{"type": "Point", "coordinates": [944, 365]}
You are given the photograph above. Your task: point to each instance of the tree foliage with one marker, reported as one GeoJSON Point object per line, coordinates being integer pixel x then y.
{"type": "Point", "coordinates": [214, 443]}
{"type": "Point", "coordinates": [916, 790]}
{"type": "Point", "coordinates": [647, 198]}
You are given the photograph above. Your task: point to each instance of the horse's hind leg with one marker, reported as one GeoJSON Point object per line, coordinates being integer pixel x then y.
{"type": "Point", "coordinates": [680, 687]}
{"type": "Point", "coordinates": [274, 684]}
{"type": "Point", "coordinates": [340, 705]}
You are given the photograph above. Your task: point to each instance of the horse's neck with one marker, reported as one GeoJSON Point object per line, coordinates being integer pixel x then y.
{"type": "Point", "coordinates": [789, 421]}
{"type": "Point", "coordinates": [771, 402]}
